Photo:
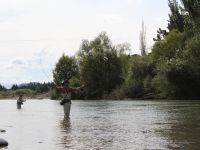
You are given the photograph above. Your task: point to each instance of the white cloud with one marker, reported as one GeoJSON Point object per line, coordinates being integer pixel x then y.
{"type": "Point", "coordinates": [20, 70]}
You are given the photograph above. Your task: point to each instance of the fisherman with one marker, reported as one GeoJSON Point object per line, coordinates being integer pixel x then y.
{"type": "Point", "coordinates": [66, 91]}
{"type": "Point", "coordinates": [20, 101]}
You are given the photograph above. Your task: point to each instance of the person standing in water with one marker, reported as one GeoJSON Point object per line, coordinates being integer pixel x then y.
{"type": "Point", "coordinates": [20, 101]}
{"type": "Point", "coordinates": [66, 91]}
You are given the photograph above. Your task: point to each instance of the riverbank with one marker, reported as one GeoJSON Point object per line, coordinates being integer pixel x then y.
{"type": "Point", "coordinates": [27, 93]}
{"type": "Point", "coordinates": [13, 94]}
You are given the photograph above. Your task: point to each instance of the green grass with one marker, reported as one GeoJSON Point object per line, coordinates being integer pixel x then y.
{"type": "Point", "coordinates": [15, 93]}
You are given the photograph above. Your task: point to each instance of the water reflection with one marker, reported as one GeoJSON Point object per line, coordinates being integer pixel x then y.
{"type": "Point", "coordinates": [110, 125]}
{"type": "Point", "coordinates": [66, 125]}
{"type": "Point", "coordinates": [181, 124]}
{"type": "Point", "coordinates": [66, 140]}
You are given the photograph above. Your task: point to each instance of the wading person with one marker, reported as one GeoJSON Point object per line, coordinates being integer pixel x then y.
{"type": "Point", "coordinates": [20, 101]}
{"type": "Point", "coordinates": [66, 91]}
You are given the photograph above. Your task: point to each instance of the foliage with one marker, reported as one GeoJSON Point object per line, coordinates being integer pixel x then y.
{"type": "Point", "coordinates": [184, 17]}
{"type": "Point", "coordinates": [100, 66]}
{"type": "Point", "coordinates": [177, 55]}
{"type": "Point", "coordinates": [76, 82]}
{"type": "Point", "coordinates": [140, 69]}
{"type": "Point", "coordinates": [2, 88]}
{"type": "Point", "coordinates": [175, 79]}
{"type": "Point", "coordinates": [124, 51]}
{"type": "Point", "coordinates": [192, 7]}
{"type": "Point", "coordinates": [117, 94]}
{"type": "Point", "coordinates": [54, 94]}
{"type": "Point", "coordinates": [192, 58]}
{"type": "Point", "coordinates": [35, 86]}
{"type": "Point", "coordinates": [26, 92]}
{"type": "Point", "coordinates": [192, 53]}
{"type": "Point", "coordinates": [65, 68]}
{"type": "Point", "coordinates": [170, 47]}
{"type": "Point", "coordinates": [14, 87]}
{"type": "Point", "coordinates": [176, 17]}
{"type": "Point", "coordinates": [160, 34]}
{"type": "Point", "coordinates": [15, 93]}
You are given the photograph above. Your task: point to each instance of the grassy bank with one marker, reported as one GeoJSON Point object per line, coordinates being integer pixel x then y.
{"type": "Point", "coordinates": [27, 93]}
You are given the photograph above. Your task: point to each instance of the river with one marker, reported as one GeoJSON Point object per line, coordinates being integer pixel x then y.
{"type": "Point", "coordinates": [101, 125]}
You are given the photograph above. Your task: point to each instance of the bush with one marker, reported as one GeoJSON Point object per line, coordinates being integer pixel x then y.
{"type": "Point", "coordinates": [117, 94]}
{"type": "Point", "coordinates": [16, 93]}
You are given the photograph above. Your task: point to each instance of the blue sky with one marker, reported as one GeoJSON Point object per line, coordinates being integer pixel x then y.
{"type": "Point", "coordinates": [35, 33]}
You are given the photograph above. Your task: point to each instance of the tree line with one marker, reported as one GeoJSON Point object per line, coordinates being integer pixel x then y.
{"type": "Point", "coordinates": [35, 86]}
{"type": "Point", "coordinates": [170, 71]}
{"type": "Point", "coordinates": [2, 88]}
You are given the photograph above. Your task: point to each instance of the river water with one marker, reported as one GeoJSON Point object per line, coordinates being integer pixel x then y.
{"type": "Point", "coordinates": [101, 125]}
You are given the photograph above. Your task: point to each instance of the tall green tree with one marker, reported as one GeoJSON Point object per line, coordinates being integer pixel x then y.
{"type": "Point", "coordinates": [184, 17]}
{"type": "Point", "coordinates": [124, 54]}
{"type": "Point", "coordinates": [176, 16]}
{"type": "Point", "coordinates": [14, 87]}
{"type": "Point", "coordinates": [65, 69]}
{"type": "Point", "coordinates": [100, 66]}
{"type": "Point", "coordinates": [139, 76]}
{"type": "Point", "coordinates": [171, 46]}
{"type": "Point", "coordinates": [193, 8]}
{"type": "Point", "coordinates": [2, 88]}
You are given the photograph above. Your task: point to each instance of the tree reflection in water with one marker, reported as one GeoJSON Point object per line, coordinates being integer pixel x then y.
{"type": "Point", "coordinates": [181, 126]}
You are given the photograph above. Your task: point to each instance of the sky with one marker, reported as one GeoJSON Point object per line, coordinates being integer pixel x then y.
{"type": "Point", "coordinates": [35, 33]}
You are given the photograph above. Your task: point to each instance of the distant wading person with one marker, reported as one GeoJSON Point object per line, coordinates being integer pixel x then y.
{"type": "Point", "coordinates": [20, 101]}
{"type": "Point", "coordinates": [66, 91]}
